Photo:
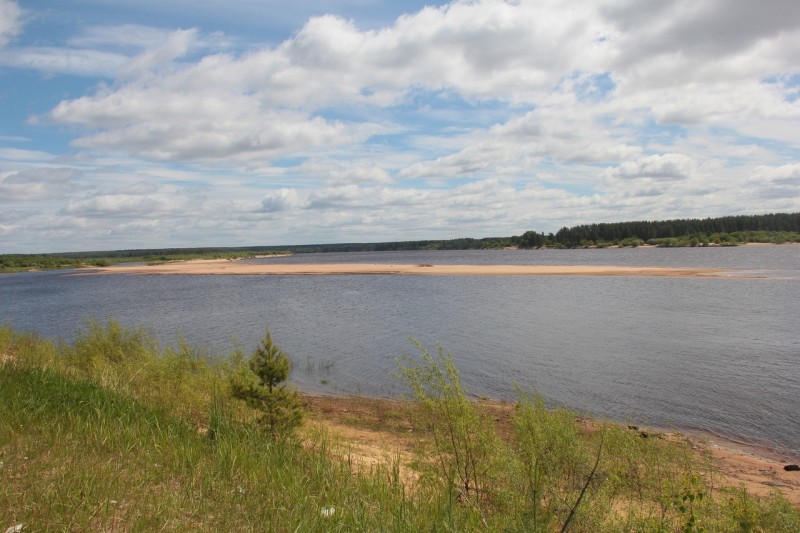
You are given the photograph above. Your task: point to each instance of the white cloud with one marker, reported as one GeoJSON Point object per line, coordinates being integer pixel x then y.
{"type": "Point", "coordinates": [782, 175]}
{"type": "Point", "coordinates": [563, 115]}
{"type": "Point", "coordinates": [661, 167]}
{"type": "Point", "coordinates": [129, 37]}
{"type": "Point", "coordinates": [53, 60]}
{"type": "Point", "coordinates": [20, 155]}
{"type": "Point", "coordinates": [123, 52]}
{"type": "Point", "coordinates": [282, 200]}
{"type": "Point", "coordinates": [176, 45]}
{"type": "Point", "coordinates": [10, 20]}
{"type": "Point", "coordinates": [264, 104]}
{"type": "Point", "coordinates": [708, 29]}
{"type": "Point", "coordinates": [36, 184]}
{"type": "Point", "coordinates": [128, 205]}
{"type": "Point", "coordinates": [339, 172]}
{"type": "Point", "coordinates": [165, 125]}
{"type": "Point", "coordinates": [781, 183]}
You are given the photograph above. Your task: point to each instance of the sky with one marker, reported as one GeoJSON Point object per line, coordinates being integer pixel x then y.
{"type": "Point", "coordinates": [149, 124]}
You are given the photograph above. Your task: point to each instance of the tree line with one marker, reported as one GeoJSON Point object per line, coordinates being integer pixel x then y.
{"type": "Point", "coordinates": [723, 231]}
{"type": "Point", "coordinates": [729, 229]}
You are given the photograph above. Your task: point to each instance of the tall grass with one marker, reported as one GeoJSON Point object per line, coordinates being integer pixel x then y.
{"type": "Point", "coordinates": [115, 432]}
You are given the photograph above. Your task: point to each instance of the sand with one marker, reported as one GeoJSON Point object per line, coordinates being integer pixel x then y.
{"type": "Point", "coordinates": [758, 469]}
{"type": "Point", "coordinates": [228, 267]}
{"type": "Point", "coordinates": [374, 431]}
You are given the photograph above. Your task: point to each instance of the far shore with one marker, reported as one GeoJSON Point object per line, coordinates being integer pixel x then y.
{"type": "Point", "coordinates": [229, 267]}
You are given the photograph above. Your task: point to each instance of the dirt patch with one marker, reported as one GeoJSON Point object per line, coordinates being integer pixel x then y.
{"type": "Point", "coordinates": [759, 471]}
{"type": "Point", "coordinates": [368, 432]}
{"type": "Point", "coordinates": [376, 431]}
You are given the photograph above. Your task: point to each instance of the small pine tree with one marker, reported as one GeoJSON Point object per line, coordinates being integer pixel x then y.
{"type": "Point", "coordinates": [263, 388]}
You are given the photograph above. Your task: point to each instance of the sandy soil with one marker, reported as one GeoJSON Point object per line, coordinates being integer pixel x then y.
{"type": "Point", "coordinates": [227, 267]}
{"type": "Point", "coordinates": [374, 431]}
{"type": "Point", "coordinates": [759, 470]}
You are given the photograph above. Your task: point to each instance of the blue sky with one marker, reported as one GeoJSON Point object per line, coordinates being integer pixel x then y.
{"type": "Point", "coordinates": [143, 124]}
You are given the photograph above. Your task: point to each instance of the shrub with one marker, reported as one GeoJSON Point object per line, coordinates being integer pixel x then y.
{"type": "Point", "coordinates": [467, 454]}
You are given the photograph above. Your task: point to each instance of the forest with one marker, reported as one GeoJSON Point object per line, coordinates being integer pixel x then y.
{"type": "Point", "coordinates": [722, 231]}
{"type": "Point", "coordinates": [777, 227]}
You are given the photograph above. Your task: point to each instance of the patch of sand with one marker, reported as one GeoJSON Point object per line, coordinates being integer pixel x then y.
{"type": "Point", "coordinates": [367, 432]}
{"type": "Point", "coordinates": [375, 431]}
{"type": "Point", "coordinates": [227, 267]}
{"type": "Point", "coordinates": [759, 470]}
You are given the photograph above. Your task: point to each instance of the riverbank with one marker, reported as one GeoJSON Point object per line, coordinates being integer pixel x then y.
{"type": "Point", "coordinates": [227, 267]}
{"type": "Point", "coordinates": [379, 430]}
{"type": "Point", "coordinates": [115, 433]}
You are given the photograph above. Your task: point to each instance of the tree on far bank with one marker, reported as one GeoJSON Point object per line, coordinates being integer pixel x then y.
{"type": "Point", "coordinates": [531, 239]}
{"type": "Point", "coordinates": [263, 388]}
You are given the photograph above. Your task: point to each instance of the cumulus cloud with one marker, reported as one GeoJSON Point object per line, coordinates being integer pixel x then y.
{"type": "Point", "coordinates": [776, 182]}
{"type": "Point", "coordinates": [36, 184]}
{"type": "Point", "coordinates": [708, 29]}
{"type": "Point", "coordinates": [783, 175]}
{"type": "Point", "coordinates": [166, 125]}
{"type": "Point", "coordinates": [615, 110]}
{"type": "Point", "coordinates": [339, 172]}
{"type": "Point", "coordinates": [265, 103]}
{"type": "Point", "coordinates": [136, 202]}
{"type": "Point", "coordinates": [467, 161]}
{"type": "Point", "coordinates": [282, 200]}
{"type": "Point", "coordinates": [661, 167]}
{"type": "Point", "coordinates": [152, 59]}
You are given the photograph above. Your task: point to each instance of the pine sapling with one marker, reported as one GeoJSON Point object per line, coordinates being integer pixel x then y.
{"type": "Point", "coordinates": [263, 388]}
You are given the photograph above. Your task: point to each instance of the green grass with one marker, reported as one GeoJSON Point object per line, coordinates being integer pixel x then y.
{"type": "Point", "coordinates": [22, 262]}
{"type": "Point", "coordinates": [115, 432]}
{"type": "Point", "coordinates": [79, 457]}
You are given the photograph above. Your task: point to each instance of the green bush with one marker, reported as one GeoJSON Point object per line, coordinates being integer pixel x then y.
{"type": "Point", "coordinates": [467, 454]}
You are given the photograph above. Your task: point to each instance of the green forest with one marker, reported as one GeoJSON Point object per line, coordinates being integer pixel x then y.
{"type": "Point", "coordinates": [732, 230]}
{"type": "Point", "coordinates": [774, 228]}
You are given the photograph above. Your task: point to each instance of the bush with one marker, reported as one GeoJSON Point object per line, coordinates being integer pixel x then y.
{"type": "Point", "coordinates": [467, 454]}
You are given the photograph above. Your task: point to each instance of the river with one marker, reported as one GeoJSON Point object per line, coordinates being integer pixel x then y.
{"type": "Point", "coordinates": [712, 354]}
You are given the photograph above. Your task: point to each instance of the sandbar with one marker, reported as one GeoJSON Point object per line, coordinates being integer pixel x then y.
{"type": "Point", "coordinates": [236, 267]}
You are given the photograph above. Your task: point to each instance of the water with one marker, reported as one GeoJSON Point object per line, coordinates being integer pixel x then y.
{"type": "Point", "coordinates": [719, 355]}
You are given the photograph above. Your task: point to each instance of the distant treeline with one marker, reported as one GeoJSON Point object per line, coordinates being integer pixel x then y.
{"type": "Point", "coordinates": [18, 262]}
{"type": "Point", "coordinates": [450, 244]}
{"type": "Point", "coordinates": [777, 227]}
{"type": "Point", "coordinates": [723, 231]}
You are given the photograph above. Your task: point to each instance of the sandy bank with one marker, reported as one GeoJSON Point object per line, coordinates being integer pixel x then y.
{"type": "Point", "coordinates": [226, 267]}
{"type": "Point", "coordinates": [379, 430]}
{"type": "Point", "coordinates": [760, 470]}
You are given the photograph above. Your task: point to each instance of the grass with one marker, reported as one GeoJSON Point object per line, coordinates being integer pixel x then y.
{"type": "Point", "coordinates": [23, 262]}
{"type": "Point", "coordinates": [114, 432]}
